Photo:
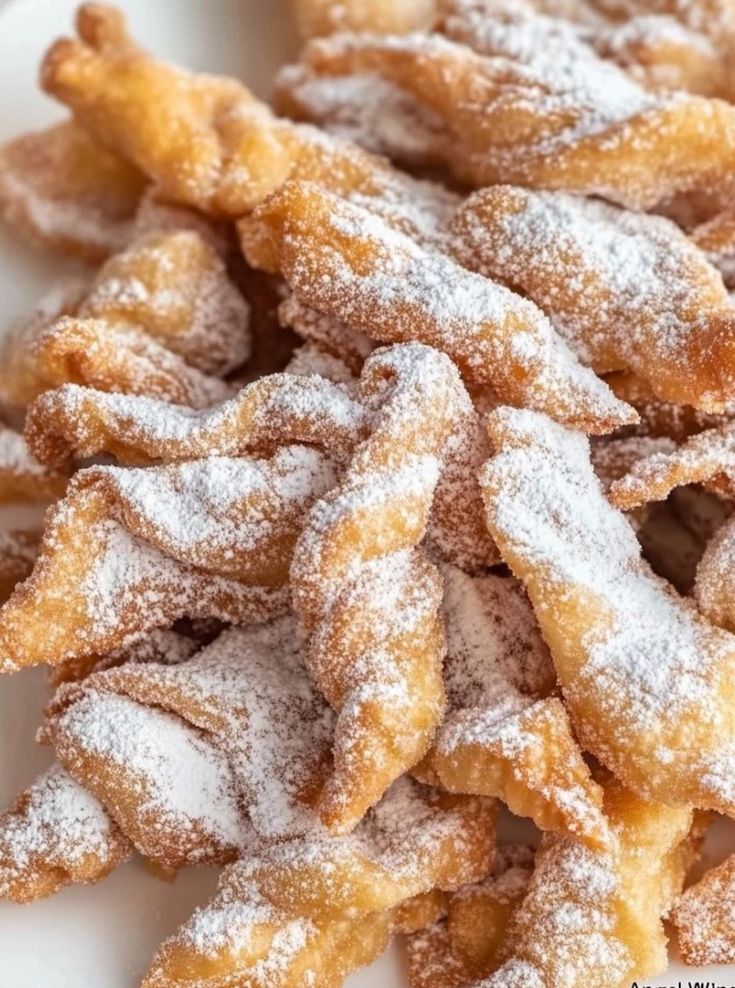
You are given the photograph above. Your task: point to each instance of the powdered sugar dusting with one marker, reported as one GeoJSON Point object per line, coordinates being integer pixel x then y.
{"type": "Point", "coordinates": [56, 824]}
{"type": "Point", "coordinates": [647, 655]}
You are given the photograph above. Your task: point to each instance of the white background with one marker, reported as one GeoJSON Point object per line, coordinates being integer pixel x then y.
{"type": "Point", "coordinates": [103, 936]}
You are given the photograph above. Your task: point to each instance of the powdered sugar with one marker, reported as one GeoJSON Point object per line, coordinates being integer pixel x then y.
{"type": "Point", "coordinates": [648, 656]}
{"type": "Point", "coordinates": [56, 826]}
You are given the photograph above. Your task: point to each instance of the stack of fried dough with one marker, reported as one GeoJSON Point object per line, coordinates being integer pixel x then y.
{"type": "Point", "coordinates": [388, 438]}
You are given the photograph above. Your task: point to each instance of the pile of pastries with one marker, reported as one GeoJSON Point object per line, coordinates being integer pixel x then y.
{"type": "Point", "coordinates": [389, 440]}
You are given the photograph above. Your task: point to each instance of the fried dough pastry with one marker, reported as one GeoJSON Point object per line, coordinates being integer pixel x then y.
{"type": "Point", "coordinates": [130, 550]}
{"type": "Point", "coordinates": [460, 949]}
{"type": "Point", "coordinates": [162, 645]}
{"type": "Point", "coordinates": [703, 918]}
{"type": "Point", "coordinates": [658, 49]}
{"type": "Point", "coordinates": [348, 264]}
{"type": "Point", "coordinates": [714, 583]}
{"type": "Point", "coordinates": [367, 596]}
{"type": "Point", "coordinates": [568, 120]}
{"type": "Point", "coordinates": [56, 833]}
{"type": "Point", "coordinates": [274, 410]}
{"type": "Point", "coordinates": [642, 298]}
{"type": "Point", "coordinates": [503, 734]}
{"type": "Point", "coordinates": [61, 189]}
{"type": "Point", "coordinates": [245, 712]}
{"type": "Point", "coordinates": [206, 141]}
{"type": "Point", "coordinates": [22, 476]}
{"type": "Point", "coordinates": [319, 17]}
{"type": "Point", "coordinates": [593, 918]}
{"type": "Point", "coordinates": [250, 694]}
{"type": "Point", "coordinates": [161, 318]}
{"type": "Point", "coordinates": [646, 679]}
{"type": "Point", "coordinates": [704, 458]}
{"type": "Point", "coordinates": [277, 409]}
{"type": "Point", "coordinates": [310, 909]}
{"type": "Point", "coordinates": [174, 287]}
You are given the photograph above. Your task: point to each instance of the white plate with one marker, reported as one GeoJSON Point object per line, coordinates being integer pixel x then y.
{"type": "Point", "coordinates": [103, 936]}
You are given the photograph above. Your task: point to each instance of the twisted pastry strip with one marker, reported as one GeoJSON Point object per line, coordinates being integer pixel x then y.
{"type": "Point", "coordinates": [503, 735]}
{"type": "Point", "coordinates": [154, 733]}
{"type": "Point", "coordinates": [617, 897]}
{"type": "Point", "coordinates": [585, 128]}
{"type": "Point", "coordinates": [160, 318]}
{"type": "Point", "coordinates": [367, 597]}
{"type": "Point", "coordinates": [56, 833]}
{"type": "Point", "coordinates": [642, 297]}
{"type": "Point", "coordinates": [163, 646]}
{"type": "Point", "coordinates": [167, 786]}
{"type": "Point", "coordinates": [655, 47]}
{"type": "Point", "coordinates": [348, 264]}
{"type": "Point", "coordinates": [320, 906]}
{"type": "Point", "coordinates": [625, 646]}
{"type": "Point", "coordinates": [459, 950]}
{"type": "Point", "coordinates": [174, 286]}
{"type": "Point", "coordinates": [22, 476]}
{"type": "Point", "coordinates": [60, 189]}
{"type": "Point", "coordinates": [707, 457]}
{"type": "Point", "coordinates": [318, 17]}
{"type": "Point", "coordinates": [206, 141]}
{"type": "Point", "coordinates": [128, 551]}
{"type": "Point", "coordinates": [249, 693]}
{"type": "Point", "coordinates": [273, 410]}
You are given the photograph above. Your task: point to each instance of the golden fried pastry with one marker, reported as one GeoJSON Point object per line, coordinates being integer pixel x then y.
{"type": "Point", "coordinates": [18, 550]}
{"type": "Point", "coordinates": [277, 409]}
{"type": "Point", "coordinates": [592, 919]}
{"type": "Point", "coordinates": [274, 410]}
{"type": "Point", "coordinates": [714, 583]}
{"type": "Point", "coordinates": [113, 357]}
{"type": "Point", "coordinates": [206, 141]}
{"type": "Point", "coordinates": [318, 17]}
{"type": "Point", "coordinates": [503, 734]}
{"type": "Point", "coordinates": [63, 190]}
{"type": "Point", "coordinates": [646, 679]}
{"type": "Point", "coordinates": [627, 290]}
{"type": "Point", "coordinates": [254, 734]}
{"type": "Point", "coordinates": [461, 949]}
{"type": "Point", "coordinates": [56, 833]}
{"type": "Point", "coordinates": [658, 49]}
{"type": "Point", "coordinates": [366, 595]}
{"type": "Point", "coordinates": [160, 318]}
{"type": "Point", "coordinates": [22, 476]}
{"type": "Point", "coordinates": [345, 262]}
{"type": "Point", "coordinates": [559, 120]}
{"type": "Point", "coordinates": [167, 786]}
{"type": "Point", "coordinates": [706, 457]}
{"type": "Point", "coordinates": [310, 359]}
{"type": "Point", "coordinates": [174, 286]}
{"type": "Point", "coordinates": [703, 918]}
{"type": "Point", "coordinates": [307, 909]}
{"type": "Point", "coordinates": [127, 551]}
